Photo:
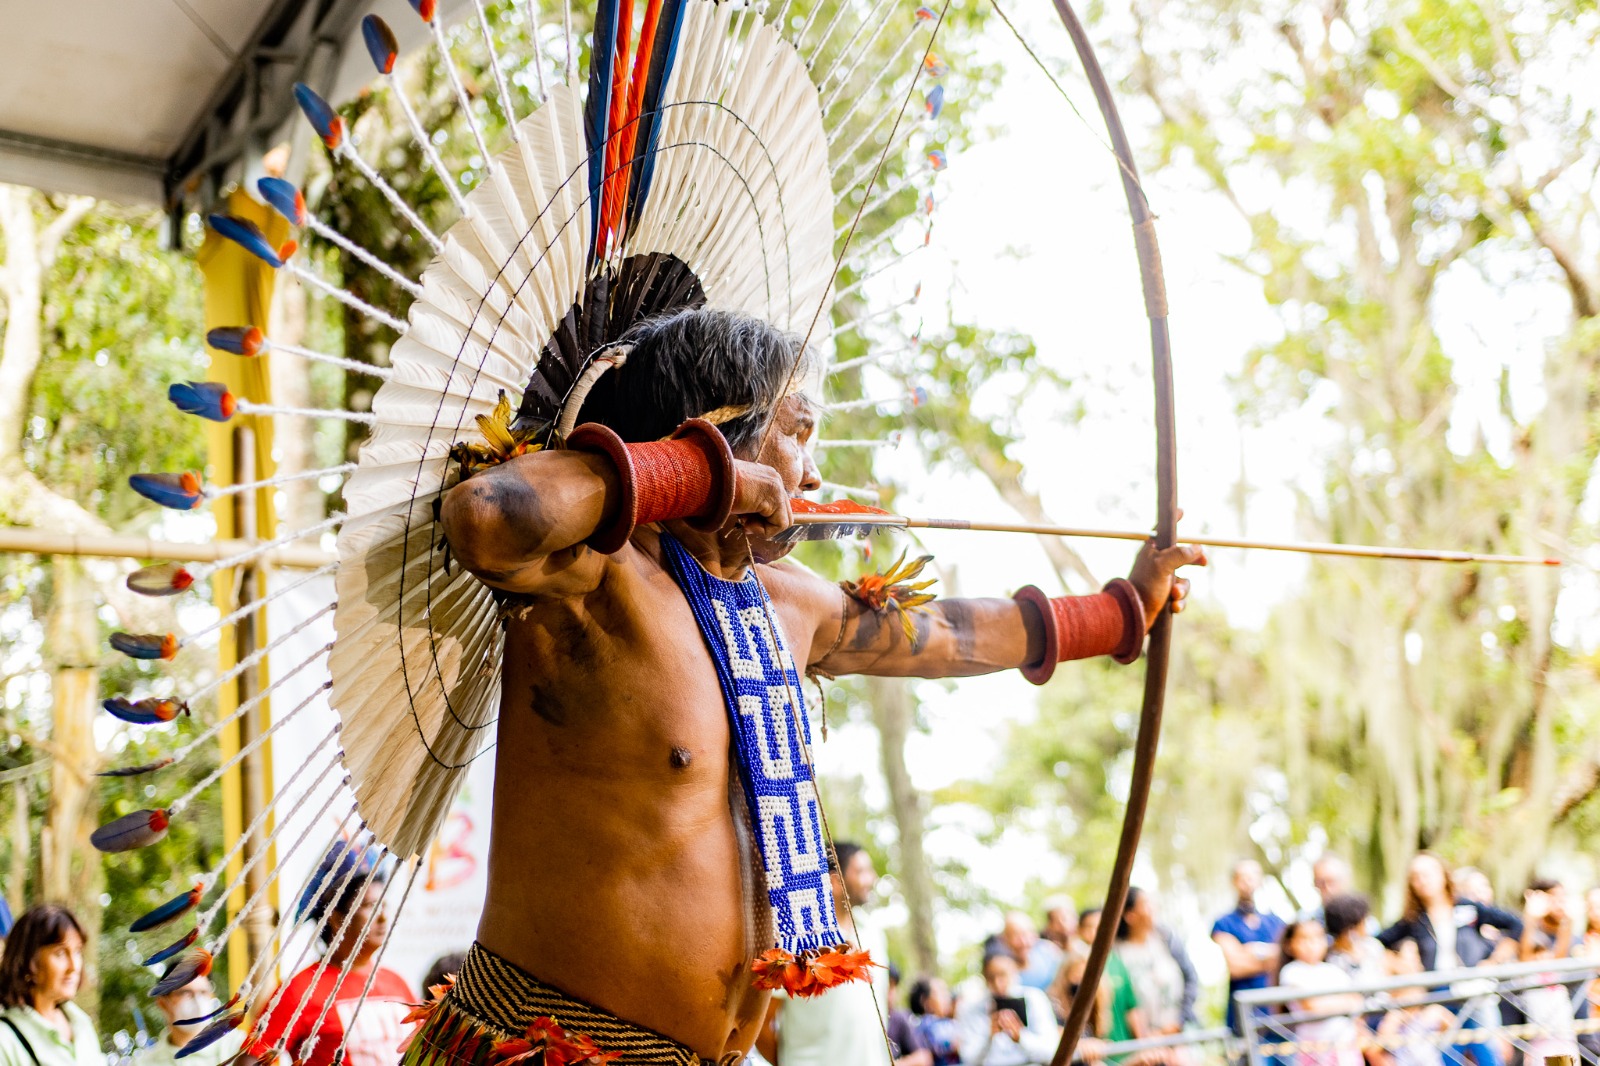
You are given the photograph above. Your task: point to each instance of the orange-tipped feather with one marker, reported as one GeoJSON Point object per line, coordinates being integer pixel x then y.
{"type": "Point", "coordinates": [619, 104]}
{"type": "Point", "coordinates": [627, 130]}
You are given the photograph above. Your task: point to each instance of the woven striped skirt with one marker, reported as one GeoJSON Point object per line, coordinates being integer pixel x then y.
{"type": "Point", "coordinates": [493, 1002]}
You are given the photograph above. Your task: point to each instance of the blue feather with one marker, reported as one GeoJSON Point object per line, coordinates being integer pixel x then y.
{"type": "Point", "coordinates": [597, 108]}
{"type": "Point", "coordinates": [240, 340]}
{"type": "Point", "coordinates": [663, 56]}
{"type": "Point", "coordinates": [153, 711]}
{"type": "Point", "coordinates": [211, 1033]}
{"type": "Point", "coordinates": [285, 198]}
{"type": "Point", "coordinates": [160, 579]}
{"type": "Point", "coordinates": [935, 101]}
{"type": "Point", "coordinates": [145, 645]}
{"type": "Point", "coordinates": [172, 949]}
{"type": "Point", "coordinates": [220, 1008]}
{"type": "Point", "coordinates": [130, 831]}
{"type": "Point", "coordinates": [381, 43]}
{"type": "Point", "coordinates": [167, 911]}
{"type": "Point", "coordinates": [210, 400]}
{"type": "Point", "coordinates": [195, 963]}
{"type": "Point", "coordinates": [341, 864]}
{"type": "Point", "coordinates": [181, 492]}
{"type": "Point", "coordinates": [135, 771]}
{"type": "Point", "coordinates": [247, 236]}
{"type": "Point", "coordinates": [323, 118]}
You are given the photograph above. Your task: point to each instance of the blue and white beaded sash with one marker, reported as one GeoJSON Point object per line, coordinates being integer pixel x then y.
{"type": "Point", "coordinates": [771, 736]}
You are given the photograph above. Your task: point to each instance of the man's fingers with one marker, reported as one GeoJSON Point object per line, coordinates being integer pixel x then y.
{"type": "Point", "coordinates": [1180, 592]}
{"type": "Point", "coordinates": [780, 516]}
{"type": "Point", "coordinates": [1183, 555]}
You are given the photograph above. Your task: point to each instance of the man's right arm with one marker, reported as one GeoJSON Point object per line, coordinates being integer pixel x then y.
{"type": "Point", "coordinates": [520, 526]}
{"type": "Point", "coordinates": [529, 525]}
{"type": "Point", "coordinates": [1242, 962]}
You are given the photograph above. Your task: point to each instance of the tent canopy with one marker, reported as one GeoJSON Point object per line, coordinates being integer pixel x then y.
{"type": "Point", "coordinates": [159, 101]}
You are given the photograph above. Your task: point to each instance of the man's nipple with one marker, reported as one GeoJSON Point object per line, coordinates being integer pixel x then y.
{"type": "Point", "coordinates": [681, 758]}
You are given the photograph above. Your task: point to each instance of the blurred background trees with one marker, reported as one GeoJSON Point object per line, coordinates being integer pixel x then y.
{"type": "Point", "coordinates": [1394, 164]}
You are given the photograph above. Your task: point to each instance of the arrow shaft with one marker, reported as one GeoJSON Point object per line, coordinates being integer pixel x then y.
{"type": "Point", "coordinates": [1359, 551]}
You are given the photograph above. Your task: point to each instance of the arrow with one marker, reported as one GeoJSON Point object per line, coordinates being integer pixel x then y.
{"type": "Point", "coordinates": [846, 518]}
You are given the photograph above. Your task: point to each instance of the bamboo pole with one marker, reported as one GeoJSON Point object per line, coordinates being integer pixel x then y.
{"type": "Point", "coordinates": [1360, 551]}
{"type": "Point", "coordinates": [112, 546]}
{"type": "Point", "coordinates": [253, 790]}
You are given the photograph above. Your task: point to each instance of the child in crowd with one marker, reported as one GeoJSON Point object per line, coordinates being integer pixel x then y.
{"type": "Point", "coordinates": [1407, 1035]}
{"type": "Point", "coordinates": [1334, 1041]}
{"type": "Point", "coordinates": [1547, 934]}
{"type": "Point", "coordinates": [1353, 949]}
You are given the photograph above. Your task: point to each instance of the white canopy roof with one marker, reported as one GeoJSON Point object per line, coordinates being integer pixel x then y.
{"type": "Point", "coordinates": [157, 101]}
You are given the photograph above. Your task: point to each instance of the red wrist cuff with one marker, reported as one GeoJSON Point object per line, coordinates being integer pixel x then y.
{"type": "Point", "coordinates": [1080, 627]}
{"type": "Point", "coordinates": [689, 475]}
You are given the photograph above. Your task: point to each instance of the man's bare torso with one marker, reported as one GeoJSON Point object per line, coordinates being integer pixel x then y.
{"type": "Point", "coordinates": [615, 864]}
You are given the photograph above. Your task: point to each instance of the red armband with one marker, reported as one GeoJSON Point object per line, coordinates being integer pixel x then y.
{"type": "Point", "coordinates": [1080, 627]}
{"type": "Point", "coordinates": [689, 475]}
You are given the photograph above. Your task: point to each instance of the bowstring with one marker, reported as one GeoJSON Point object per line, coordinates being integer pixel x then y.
{"type": "Point", "coordinates": [805, 753]}
{"type": "Point", "coordinates": [1055, 83]}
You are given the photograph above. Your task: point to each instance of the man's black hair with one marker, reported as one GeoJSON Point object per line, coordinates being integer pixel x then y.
{"type": "Point", "coordinates": [845, 850]}
{"type": "Point", "coordinates": [999, 952]}
{"type": "Point", "coordinates": [921, 992]}
{"type": "Point", "coordinates": [1344, 913]}
{"type": "Point", "coordinates": [447, 965]}
{"type": "Point", "coordinates": [692, 362]}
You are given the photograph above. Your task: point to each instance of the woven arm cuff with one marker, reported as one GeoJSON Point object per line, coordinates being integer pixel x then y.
{"type": "Point", "coordinates": [690, 475]}
{"type": "Point", "coordinates": [1080, 627]}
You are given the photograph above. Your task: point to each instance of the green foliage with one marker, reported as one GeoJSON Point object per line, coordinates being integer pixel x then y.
{"type": "Point", "coordinates": [1372, 152]}
{"type": "Point", "coordinates": [121, 323]}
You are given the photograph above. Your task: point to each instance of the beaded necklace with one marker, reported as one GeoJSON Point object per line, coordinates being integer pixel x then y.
{"type": "Point", "coordinates": [771, 730]}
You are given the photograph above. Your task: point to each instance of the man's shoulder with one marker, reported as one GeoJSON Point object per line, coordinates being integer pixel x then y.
{"type": "Point", "coordinates": [791, 577]}
{"type": "Point", "coordinates": [1227, 923]}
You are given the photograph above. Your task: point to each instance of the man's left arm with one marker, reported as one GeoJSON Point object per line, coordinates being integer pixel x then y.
{"type": "Point", "coordinates": [964, 637]}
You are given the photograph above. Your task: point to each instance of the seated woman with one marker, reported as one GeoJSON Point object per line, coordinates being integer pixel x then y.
{"type": "Point", "coordinates": [40, 971]}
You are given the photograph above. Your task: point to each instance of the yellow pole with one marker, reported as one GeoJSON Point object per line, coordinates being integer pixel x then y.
{"type": "Point", "coordinates": [238, 292]}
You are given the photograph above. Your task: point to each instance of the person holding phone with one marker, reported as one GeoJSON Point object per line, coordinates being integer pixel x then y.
{"type": "Point", "coordinates": [1013, 1025]}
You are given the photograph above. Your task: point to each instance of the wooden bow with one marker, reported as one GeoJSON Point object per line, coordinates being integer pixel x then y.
{"type": "Point", "coordinates": [1159, 651]}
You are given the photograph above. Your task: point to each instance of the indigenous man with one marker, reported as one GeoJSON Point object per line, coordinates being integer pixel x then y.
{"type": "Point", "coordinates": [644, 597]}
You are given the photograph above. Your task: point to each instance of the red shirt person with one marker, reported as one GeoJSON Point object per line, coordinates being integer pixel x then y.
{"type": "Point", "coordinates": [315, 1013]}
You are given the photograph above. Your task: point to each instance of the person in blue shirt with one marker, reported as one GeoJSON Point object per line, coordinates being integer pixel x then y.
{"type": "Point", "coordinates": [1248, 939]}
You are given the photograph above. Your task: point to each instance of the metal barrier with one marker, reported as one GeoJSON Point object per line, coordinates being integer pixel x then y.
{"type": "Point", "coordinates": [1551, 994]}
{"type": "Point", "coordinates": [1204, 1047]}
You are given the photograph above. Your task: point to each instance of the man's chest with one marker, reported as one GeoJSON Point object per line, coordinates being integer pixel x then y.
{"type": "Point", "coordinates": [636, 661]}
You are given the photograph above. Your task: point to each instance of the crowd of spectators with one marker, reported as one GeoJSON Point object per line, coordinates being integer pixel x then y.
{"type": "Point", "coordinates": [1327, 963]}
{"type": "Point", "coordinates": [1449, 923]}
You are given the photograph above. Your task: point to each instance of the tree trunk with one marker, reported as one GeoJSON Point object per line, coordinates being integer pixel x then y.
{"type": "Point", "coordinates": [892, 710]}
{"type": "Point", "coordinates": [19, 355]}
{"type": "Point", "coordinates": [70, 867]}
